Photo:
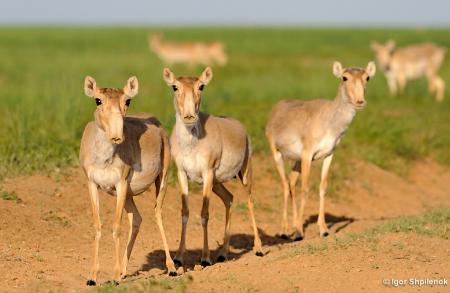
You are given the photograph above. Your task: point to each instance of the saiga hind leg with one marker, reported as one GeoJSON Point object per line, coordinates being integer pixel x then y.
{"type": "Point", "coordinates": [227, 199]}
{"type": "Point", "coordinates": [246, 177]}
{"type": "Point", "coordinates": [278, 158]}
{"type": "Point", "coordinates": [323, 229]}
{"type": "Point", "coordinates": [161, 186]}
{"type": "Point", "coordinates": [135, 220]}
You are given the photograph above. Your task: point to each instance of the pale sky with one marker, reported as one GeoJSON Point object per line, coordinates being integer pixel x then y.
{"type": "Point", "coordinates": [227, 12]}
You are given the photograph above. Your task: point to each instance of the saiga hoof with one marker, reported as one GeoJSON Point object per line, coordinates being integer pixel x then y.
{"type": "Point", "coordinates": [324, 234]}
{"type": "Point", "coordinates": [284, 236]}
{"type": "Point", "coordinates": [221, 258]}
{"type": "Point", "coordinates": [205, 263]}
{"type": "Point", "coordinates": [91, 283]}
{"type": "Point", "coordinates": [112, 283]}
{"type": "Point", "coordinates": [177, 263]}
{"type": "Point", "coordinates": [298, 237]}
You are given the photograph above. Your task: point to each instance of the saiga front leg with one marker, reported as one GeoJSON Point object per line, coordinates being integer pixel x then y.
{"type": "Point", "coordinates": [207, 189]}
{"type": "Point", "coordinates": [183, 181]}
{"type": "Point", "coordinates": [306, 168]}
{"type": "Point", "coordinates": [323, 229]}
{"type": "Point", "coordinates": [121, 191]}
{"type": "Point", "coordinates": [93, 194]}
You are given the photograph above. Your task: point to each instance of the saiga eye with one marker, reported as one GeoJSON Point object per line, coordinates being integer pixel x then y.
{"type": "Point", "coordinates": [98, 101]}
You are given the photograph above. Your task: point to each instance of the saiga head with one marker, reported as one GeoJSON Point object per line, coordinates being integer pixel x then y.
{"type": "Point", "coordinates": [154, 41]}
{"type": "Point", "coordinates": [354, 82]}
{"type": "Point", "coordinates": [188, 93]}
{"type": "Point", "coordinates": [383, 53]}
{"type": "Point", "coordinates": [112, 104]}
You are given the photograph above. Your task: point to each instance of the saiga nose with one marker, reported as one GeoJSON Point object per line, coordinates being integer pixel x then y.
{"type": "Point", "coordinates": [116, 140]}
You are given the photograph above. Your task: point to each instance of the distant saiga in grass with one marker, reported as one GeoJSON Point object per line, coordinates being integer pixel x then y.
{"type": "Point", "coordinates": [411, 62]}
{"type": "Point", "coordinates": [191, 53]}
{"type": "Point", "coordinates": [305, 131]}
{"type": "Point", "coordinates": [123, 156]}
{"type": "Point", "coordinates": [209, 150]}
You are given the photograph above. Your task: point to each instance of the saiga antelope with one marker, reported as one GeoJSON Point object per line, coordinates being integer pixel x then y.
{"type": "Point", "coordinates": [191, 53]}
{"type": "Point", "coordinates": [304, 131]}
{"type": "Point", "coordinates": [209, 150]}
{"type": "Point", "coordinates": [411, 62]}
{"type": "Point", "coordinates": [123, 156]}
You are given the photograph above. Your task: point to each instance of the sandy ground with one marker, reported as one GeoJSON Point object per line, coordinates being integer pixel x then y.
{"type": "Point", "coordinates": [45, 241]}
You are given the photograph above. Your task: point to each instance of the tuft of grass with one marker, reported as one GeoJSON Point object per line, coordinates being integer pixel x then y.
{"type": "Point", "coordinates": [148, 285]}
{"type": "Point", "coordinates": [240, 207]}
{"type": "Point", "coordinates": [38, 257]}
{"type": "Point", "coordinates": [435, 223]}
{"type": "Point", "coordinates": [9, 195]}
{"type": "Point", "coordinates": [53, 217]}
{"type": "Point", "coordinates": [305, 249]}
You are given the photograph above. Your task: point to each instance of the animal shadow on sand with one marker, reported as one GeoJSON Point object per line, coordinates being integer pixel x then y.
{"type": "Point", "coordinates": [241, 242]}
{"type": "Point", "coordinates": [331, 221]}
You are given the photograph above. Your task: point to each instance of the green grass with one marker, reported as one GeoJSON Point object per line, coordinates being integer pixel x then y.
{"type": "Point", "coordinates": [44, 110]}
{"type": "Point", "coordinates": [148, 285]}
{"type": "Point", "coordinates": [435, 223]}
{"type": "Point", "coordinates": [6, 195]}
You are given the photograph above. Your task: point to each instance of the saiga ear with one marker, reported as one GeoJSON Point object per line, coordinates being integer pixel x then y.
{"type": "Point", "coordinates": [390, 45]}
{"type": "Point", "coordinates": [90, 86]}
{"type": "Point", "coordinates": [169, 77]}
{"type": "Point", "coordinates": [132, 87]}
{"type": "Point", "coordinates": [371, 69]}
{"type": "Point", "coordinates": [337, 69]}
{"type": "Point", "coordinates": [375, 46]}
{"type": "Point", "coordinates": [206, 76]}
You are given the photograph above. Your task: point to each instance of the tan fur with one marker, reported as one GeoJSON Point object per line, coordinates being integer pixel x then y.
{"type": "Point", "coordinates": [195, 53]}
{"type": "Point", "coordinates": [411, 62]}
{"type": "Point", "coordinates": [304, 131]}
{"type": "Point", "coordinates": [123, 156]}
{"type": "Point", "coordinates": [209, 150]}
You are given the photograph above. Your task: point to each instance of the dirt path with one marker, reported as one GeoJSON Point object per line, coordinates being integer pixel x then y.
{"type": "Point", "coordinates": [46, 239]}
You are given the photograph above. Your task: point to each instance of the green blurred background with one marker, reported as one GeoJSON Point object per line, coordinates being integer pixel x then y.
{"type": "Point", "coordinates": [44, 111]}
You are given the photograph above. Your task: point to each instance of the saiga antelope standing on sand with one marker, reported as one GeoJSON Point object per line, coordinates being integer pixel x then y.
{"type": "Point", "coordinates": [123, 156]}
{"type": "Point", "coordinates": [304, 131]}
{"type": "Point", "coordinates": [209, 150]}
{"type": "Point", "coordinates": [190, 53]}
{"type": "Point", "coordinates": [411, 62]}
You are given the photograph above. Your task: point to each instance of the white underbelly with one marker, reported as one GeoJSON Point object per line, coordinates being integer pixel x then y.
{"type": "Point", "coordinates": [193, 165]}
{"type": "Point", "coordinates": [229, 167]}
{"type": "Point", "coordinates": [105, 178]}
{"type": "Point", "coordinates": [325, 147]}
{"type": "Point", "coordinates": [292, 150]}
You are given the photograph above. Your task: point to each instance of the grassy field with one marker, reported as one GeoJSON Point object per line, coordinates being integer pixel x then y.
{"type": "Point", "coordinates": [44, 110]}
